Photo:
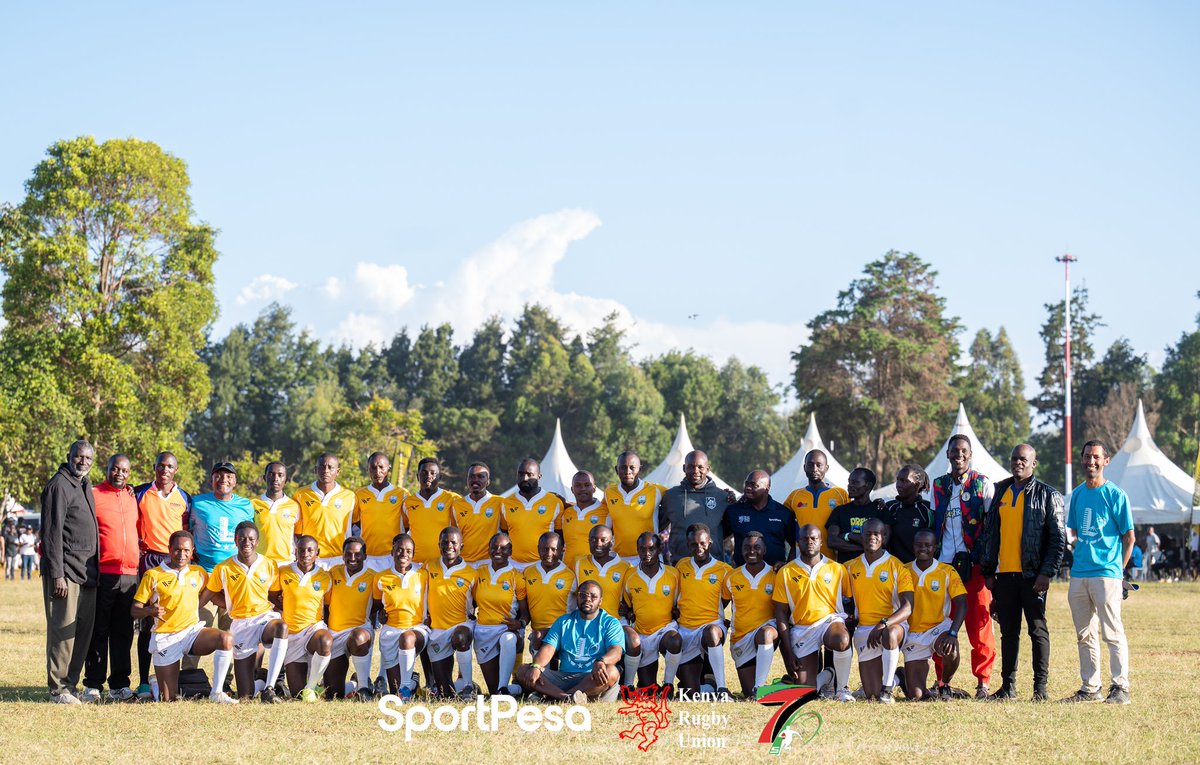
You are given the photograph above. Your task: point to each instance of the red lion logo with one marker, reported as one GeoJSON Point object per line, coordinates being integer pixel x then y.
{"type": "Point", "coordinates": [649, 706]}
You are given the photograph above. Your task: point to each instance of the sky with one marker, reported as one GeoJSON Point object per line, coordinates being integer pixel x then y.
{"type": "Point", "coordinates": [716, 173]}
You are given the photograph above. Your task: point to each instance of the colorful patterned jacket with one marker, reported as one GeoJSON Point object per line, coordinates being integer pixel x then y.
{"type": "Point", "coordinates": [973, 509]}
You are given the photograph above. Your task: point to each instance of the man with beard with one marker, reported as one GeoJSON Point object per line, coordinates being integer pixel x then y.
{"type": "Point", "coordinates": [815, 502]}
{"type": "Point", "coordinates": [477, 515]}
{"type": "Point", "coordinates": [697, 499]}
{"type": "Point", "coordinates": [428, 511]}
{"type": "Point", "coordinates": [529, 513]}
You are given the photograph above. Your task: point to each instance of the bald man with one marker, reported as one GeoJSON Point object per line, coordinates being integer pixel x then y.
{"type": "Point", "coordinates": [758, 512]}
{"type": "Point", "coordinates": [696, 499]}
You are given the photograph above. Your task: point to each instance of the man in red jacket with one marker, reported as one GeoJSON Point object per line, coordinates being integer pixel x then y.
{"type": "Point", "coordinates": [117, 517]}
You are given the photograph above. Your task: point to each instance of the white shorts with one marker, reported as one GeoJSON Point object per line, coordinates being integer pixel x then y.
{"type": "Point", "coordinates": [168, 648]}
{"type": "Point", "coordinates": [247, 633]}
{"type": "Point", "coordinates": [389, 642]}
{"type": "Point", "coordinates": [692, 637]}
{"type": "Point", "coordinates": [438, 646]}
{"type": "Point", "coordinates": [807, 639]}
{"type": "Point", "coordinates": [745, 649]}
{"type": "Point", "coordinates": [860, 642]}
{"type": "Point", "coordinates": [327, 563]}
{"type": "Point", "coordinates": [379, 562]}
{"type": "Point", "coordinates": [650, 644]}
{"type": "Point", "coordinates": [487, 641]}
{"type": "Point", "coordinates": [298, 641]}
{"type": "Point", "coordinates": [919, 645]}
{"type": "Point", "coordinates": [342, 637]}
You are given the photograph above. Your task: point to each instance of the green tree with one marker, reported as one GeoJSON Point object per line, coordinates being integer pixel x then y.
{"type": "Point", "coordinates": [629, 410]}
{"type": "Point", "coordinates": [1109, 392]}
{"type": "Point", "coordinates": [992, 388]}
{"type": "Point", "coordinates": [1051, 400]}
{"type": "Point", "coordinates": [746, 432]}
{"type": "Point", "coordinates": [690, 385]}
{"type": "Point", "coordinates": [877, 364]}
{"type": "Point", "coordinates": [1178, 390]}
{"type": "Point", "coordinates": [109, 293]}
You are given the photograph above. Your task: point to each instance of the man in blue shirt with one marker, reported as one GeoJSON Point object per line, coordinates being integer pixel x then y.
{"type": "Point", "coordinates": [588, 643]}
{"type": "Point", "coordinates": [1102, 522]}
{"type": "Point", "coordinates": [758, 512]}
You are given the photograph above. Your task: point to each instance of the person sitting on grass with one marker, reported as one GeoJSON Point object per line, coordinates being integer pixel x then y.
{"type": "Point", "coordinates": [588, 643]}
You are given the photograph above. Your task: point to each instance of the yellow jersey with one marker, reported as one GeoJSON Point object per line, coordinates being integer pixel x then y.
{"type": "Point", "coordinates": [451, 593]}
{"type": "Point", "coordinates": [349, 597]}
{"type": "Point", "coordinates": [812, 593]}
{"type": "Point", "coordinates": [632, 514]}
{"type": "Point", "coordinates": [815, 508]}
{"type": "Point", "coordinates": [497, 593]}
{"type": "Point", "coordinates": [877, 586]}
{"type": "Point", "coordinates": [526, 521]}
{"type": "Point", "coordinates": [276, 522]}
{"type": "Point", "coordinates": [404, 596]}
{"type": "Point", "coordinates": [550, 594]}
{"type": "Point", "coordinates": [651, 598]}
{"type": "Point", "coordinates": [246, 588]}
{"type": "Point", "coordinates": [577, 524]}
{"type": "Point", "coordinates": [1012, 521]}
{"type": "Point", "coordinates": [425, 519]}
{"type": "Point", "coordinates": [751, 596]}
{"type": "Point", "coordinates": [380, 517]}
{"type": "Point", "coordinates": [176, 591]}
{"type": "Point", "coordinates": [303, 595]}
{"type": "Point", "coordinates": [478, 522]}
{"type": "Point", "coordinates": [933, 589]}
{"type": "Point", "coordinates": [608, 576]}
{"type": "Point", "coordinates": [326, 517]}
{"type": "Point", "coordinates": [700, 592]}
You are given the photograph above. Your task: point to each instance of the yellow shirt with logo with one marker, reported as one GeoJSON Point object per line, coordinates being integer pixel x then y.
{"type": "Point", "coordinates": [550, 595]}
{"type": "Point", "coordinates": [933, 589]}
{"type": "Point", "coordinates": [751, 597]}
{"type": "Point", "coordinates": [632, 514]}
{"type": "Point", "coordinates": [577, 524]}
{"type": "Point", "coordinates": [246, 589]}
{"type": "Point", "coordinates": [176, 591]}
{"type": "Point", "coordinates": [404, 597]}
{"type": "Point", "coordinates": [478, 522]}
{"type": "Point", "coordinates": [700, 591]}
{"type": "Point", "coordinates": [380, 517]}
{"type": "Point", "coordinates": [609, 576]}
{"type": "Point", "coordinates": [651, 598]}
{"type": "Point", "coordinates": [349, 597]}
{"type": "Point", "coordinates": [877, 586]}
{"type": "Point", "coordinates": [425, 520]}
{"type": "Point", "coordinates": [812, 593]}
{"type": "Point", "coordinates": [276, 522]}
{"type": "Point", "coordinates": [303, 595]}
{"type": "Point", "coordinates": [526, 520]}
{"type": "Point", "coordinates": [326, 517]}
{"type": "Point", "coordinates": [451, 593]}
{"type": "Point", "coordinates": [816, 509]}
{"type": "Point", "coordinates": [1012, 522]}
{"type": "Point", "coordinates": [497, 593]}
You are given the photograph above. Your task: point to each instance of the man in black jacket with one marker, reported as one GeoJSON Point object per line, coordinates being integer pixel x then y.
{"type": "Point", "coordinates": [70, 570]}
{"type": "Point", "coordinates": [696, 499]}
{"type": "Point", "coordinates": [1023, 543]}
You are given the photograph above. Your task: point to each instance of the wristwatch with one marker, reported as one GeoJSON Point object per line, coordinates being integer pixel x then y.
{"type": "Point", "coordinates": [883, 623]}
{"type": "Point", "coordinates": [952, 633]}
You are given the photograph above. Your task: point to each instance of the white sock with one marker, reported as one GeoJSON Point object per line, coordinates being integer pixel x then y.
{"type": "Point", "coordinates": [716, 657]}
{"type": "Point", "coordinates": [463, 659]}
{"type": "Point", "coordinates": [630, 664]}
{"type": "Point", "coordinates": [362, 668]}
{"type": "Point", "coordinates": [891, 658]}
{"type": "Point", "coordinates": [672, 666]}
{"type": "Point", "coordinates": [508, 656]}
{"type": "Point", "coordinates": [841, 668]}
{"type": "Point", "coordinates": [408, 659]}
{"type": "Point", "coordinates": [275, 657]}
{"type": "Point", "coordinates": [316, 668]}
{"type": "Point", "coordinates": [222, 660]}
{"type": "Point", "coordinates": [763, 656]}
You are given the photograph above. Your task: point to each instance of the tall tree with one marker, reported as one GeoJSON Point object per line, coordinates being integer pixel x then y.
{"type": "Point", "coordinates": [992, 388]}
{"type": "Point", "coordinates": [746, 432]}
{"type": "Point", "coordinates": [690, 385]}
{"type": "Point", "coordinates": [109, 293]}
{"type": "Point", "coordinates": [1178, 391]}
{"type": "Point", "coordinates": [1109, 391]}
{"type": "Point", "coordinates": [627, 400]}
{"type": "Point", "coordinates": [877, 364]}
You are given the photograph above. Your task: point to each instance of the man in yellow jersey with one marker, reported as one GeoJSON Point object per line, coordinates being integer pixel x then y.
{"type": "Point", "coordinates": [550, 588]}
{"type": "Point", "coordinates": [702, 613]}
{"type": "Point", "coordinates": [529, 513]}
{"type": "Point", "coordinates": [501, 619]}
{"type": "Point", "coordinates": [477, 515]}
{"type": "Point", "coordinates": [580, 518]}
{"type": "Point", "coordinates": [327, 510]}
{"type": "Point", "coordinates": [605, 568]}
{"type": "Point", "coordinates": [649, 597]}
{"type": "Point", "coordinates": [242, 585]}
{"type": "Point", "coordinates": [632, 506]}
{"type": "Point", "coordinates": [933, 627]}
{"type": "Point", "coordinates": [380, 512]}
{"type": "Point", "coordinates": [170, 594]}
{"type": "Point", "coordinates": [401, 591]}
{"type": "Point", "coordinates": [451, 601]}
{"type": "Point", "coordinates": [299, 590]}
{"type": "Point", "coordinates": [812, 597]}
{"type": "Point", "coordinates": [428, 511]}
{"type": "Point", "coordinates": [350, 600]}
{"type": "Point", "coordinates": [276, 516]}
{"type": "Point", "coordinates": [883, 601]}
{"type": "Point", "coordinates": [816, 501]}
{"type": "Point", "coordinates": [750, 589]}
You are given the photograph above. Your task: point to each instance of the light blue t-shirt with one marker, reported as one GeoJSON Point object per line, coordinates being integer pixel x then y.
{"type": "Point", "coordinates": [1099, 517]}
{"type": "Point", "coordinates": [212, 522]}
{"type": "Point", "coordinates": [582, 642]}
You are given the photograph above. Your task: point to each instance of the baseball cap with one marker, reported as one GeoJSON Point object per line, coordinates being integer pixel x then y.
{"type": "Point", "coordinates": [226, 466]}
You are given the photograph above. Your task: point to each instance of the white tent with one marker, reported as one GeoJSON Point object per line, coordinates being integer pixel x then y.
{"type": "Point", "coordinates": [670, 471]}
{"type": "Point", "coordinates": [981, 461]}
{"type": "Point", "coordinates": [791, 476]}
{"type": "Point", "coordinates": [1159, 490]}
{"type": "Point", "coordinates": [557, 468]}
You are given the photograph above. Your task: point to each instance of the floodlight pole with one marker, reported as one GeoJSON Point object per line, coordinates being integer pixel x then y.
{"type": "Point", "coordinates": [1067, 260]}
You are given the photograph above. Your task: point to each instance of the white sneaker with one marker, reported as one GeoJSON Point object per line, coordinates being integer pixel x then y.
{"type": "Point", "coordinates": [886, 698]}
{"type": "Point", "coordinates": [121, 694]}
{"type": "Point", "coordinates": [64, 698]}
{"type": "Point", "coordinates": [90, 696]}
{"type": "Point", "coordinates": [221, 697]}
{"type": "Point", "coordinates": [844, 696]}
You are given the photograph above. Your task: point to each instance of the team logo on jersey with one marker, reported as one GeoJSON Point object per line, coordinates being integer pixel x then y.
{"type": "Point", "coordinates": [362, 586]}
{"type": "Point", "coordinates": [487, 513]}
{"type": "Point", "coordinates": [316, 586]}
{"type": "Point", "coordinates": [393, 499]}
{"type": "Point", "coordinates": [666, 589]}
{"type": "Point", "coordinates": [710, 503]}
{"type": "Point", "coordinates": [234, 575]}
{"type": "Point", "coordinates": [593, 519]}
{"type": "Point", "coordinates": [616, 577]}
{"type": "Point", "coordinates": [262, 578]}
{"type": "Point", "coordinates": [541, 509]}
{"type": "Point", "coordinates": [832, 503]}
{"type": "Point", "coordinates": [504, 586]}
{"type": "Point", "coordinates": [712, 578]}
{"type": "Point", "coordinates": [560, 584]}
{"type": "Point", "coordinates": [194, 582]}
{"type": "Point", "coordinates": [441, 506]}
{"type": "Point", "coordinates": [337, 503]}
{"type": "Point", "coordinates": [935, 585]}
{"type": "Point", "coordinates": [641, 500]}
{"type": "Point", "coordinates": [770, 588]}
{"type": "Point", "coordinates": [460, 581]}
{"type": "Point", "coordinates": [883, 576]}
{"type": "Point", "coordinates": [828, 578]}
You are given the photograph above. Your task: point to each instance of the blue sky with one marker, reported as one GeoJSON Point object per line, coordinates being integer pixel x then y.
{"type": "Point", "coordinates": [382, 165]}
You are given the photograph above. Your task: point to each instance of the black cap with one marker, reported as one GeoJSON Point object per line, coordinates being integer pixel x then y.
{"type": "Point", "coordinates": [226, 466]}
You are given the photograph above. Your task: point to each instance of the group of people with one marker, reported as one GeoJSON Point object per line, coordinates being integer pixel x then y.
{"type": "Point", "coordinates": [603, 586]}
{"type": "Point", "coordinates": [18, 545]}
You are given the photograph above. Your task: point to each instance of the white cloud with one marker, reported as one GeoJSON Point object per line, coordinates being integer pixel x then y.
{"type": "Point", "coordinates": [265, 288]}
{"type": "Point", "coordinates": [362, 329]}
{"type": "Point", "coordinates": [332, 288]}
{"type": "Point", "coordinates": [385, 286]}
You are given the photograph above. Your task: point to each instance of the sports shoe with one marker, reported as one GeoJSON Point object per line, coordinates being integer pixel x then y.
{"type": "Point", "coordinates": [64, 698]}
{"type": "Point", "coordinates": [364, 694]}
{"type": "Point", "coordinates": [144, 692]}
{"type": "Point", "coordinates": [221, 697]}
{"type": "Point", "coordinates": [886, 697]}
{"type": "Point", "coordinates": [406, 694]}
{"type": "Point", "coordinates": [268, 696]}
{"type": "Point", "coordinates": [121, 694]}
{"type": "Point", "coordinates": [468, 693]}
{"type": "Point", "coordinates": [1083, 695]}
{"type": "Point", "coordinates": [1005, 693]}
{"type": "Point", "coordinates": [90, 696]}
{"type": "Point", "coordinates": [1040, 696]}
{"type": "Point", "coordinates": [578, 697]}
{"type": "Point", "coordinates": [844, 696]}
{"type": "Point", "coordinates": [381, 686]}
{"type": "Point", "coordinates": [1117, 695]}
{"type": "Point", "coordinates": [982, 692]}
{"type": "Point", "coordinates": [826, 693]}
{"type": "Point", "coordinates": [723, 694]}
{"type": "Point", "coordinates": [535, 698]}
{"type": "Point", "coordinates": [308, 696]}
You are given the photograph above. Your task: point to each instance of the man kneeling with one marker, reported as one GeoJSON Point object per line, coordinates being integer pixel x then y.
{"type": "Point", "coordinates": [588, 642]}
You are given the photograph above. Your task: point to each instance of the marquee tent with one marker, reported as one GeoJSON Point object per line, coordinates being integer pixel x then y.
{"type": "Point", "coordinates": [981, 461]}
{"type": "Point", "coordinates": [791, 475]}
{"type": "Point", "coordinates": [557, 468]}
{"type": "Point", "coordinates": [1159, 490]}
{"type": "Point", "coordinates": [670, 471]}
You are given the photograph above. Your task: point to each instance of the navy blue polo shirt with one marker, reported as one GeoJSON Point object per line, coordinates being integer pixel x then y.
{"type": "Point", "coordinates": [775, 522]}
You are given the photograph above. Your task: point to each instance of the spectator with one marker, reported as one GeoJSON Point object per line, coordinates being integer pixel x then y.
{"type": "Point", "coordinates": [27, 545]}
{"type": "Point", "coordinates": [1134, 569]}
{"type": "Point", "coordinates": [12, 547]}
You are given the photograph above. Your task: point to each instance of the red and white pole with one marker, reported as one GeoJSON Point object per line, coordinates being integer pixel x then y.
{"type": "Point", "coordinates": [1067, 260]}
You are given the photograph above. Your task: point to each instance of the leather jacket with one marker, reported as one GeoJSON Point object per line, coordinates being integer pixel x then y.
{"type": "Point", "coordinates": [1043, 536]}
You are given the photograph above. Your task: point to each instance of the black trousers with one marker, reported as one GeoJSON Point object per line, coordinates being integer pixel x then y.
{"type": "Point", "coordinates": [1012, 597]}
{"type": "Point", "coordinates": [112, 634]}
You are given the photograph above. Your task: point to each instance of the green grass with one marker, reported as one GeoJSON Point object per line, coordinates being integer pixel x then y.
{"type": "Point", "coordinates": [1161, 726]}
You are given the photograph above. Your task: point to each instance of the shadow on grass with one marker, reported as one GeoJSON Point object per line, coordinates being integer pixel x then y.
{"type": "Point", "coordinates": [24, 693]}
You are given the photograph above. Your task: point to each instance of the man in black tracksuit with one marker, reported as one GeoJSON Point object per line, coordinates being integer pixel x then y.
{"type": "Point", "coordinates": [697, 499]}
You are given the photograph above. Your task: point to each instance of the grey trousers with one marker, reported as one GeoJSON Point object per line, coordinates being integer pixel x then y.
{"type": "Point", "coordinates": [69, 623]}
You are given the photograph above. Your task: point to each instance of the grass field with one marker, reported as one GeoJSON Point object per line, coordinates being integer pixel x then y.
{"type": "Point", "coordinates": [1162, 725]}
